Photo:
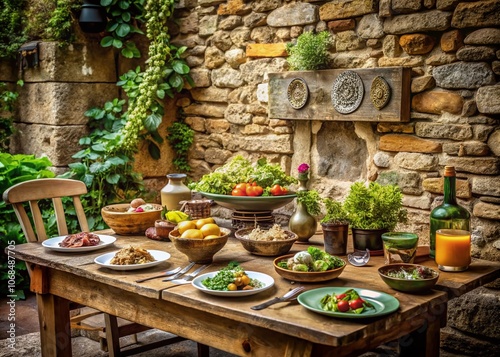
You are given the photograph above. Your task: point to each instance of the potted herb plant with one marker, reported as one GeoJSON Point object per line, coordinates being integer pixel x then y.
{"type": "Point", "coordinates": [373, 209]}
{"type": "Point", "coordinates": [335, 226]}
{"type": "Point", "coordinates": [311, 52]}
{"type": "Point", "coordinates": [303, 221]}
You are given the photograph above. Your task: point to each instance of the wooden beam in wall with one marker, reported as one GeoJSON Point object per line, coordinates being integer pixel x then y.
{"type": "Point", "coordinates": [319, 105]}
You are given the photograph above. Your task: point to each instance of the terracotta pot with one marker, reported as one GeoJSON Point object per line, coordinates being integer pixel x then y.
{"type": "Point", "coordinates": [335, 236]}
{"type": "Point", "coordinates": [370, 239]}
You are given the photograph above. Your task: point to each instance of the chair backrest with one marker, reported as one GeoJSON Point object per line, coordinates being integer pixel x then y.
{"type": "Point", "coordinates": [50, 188]}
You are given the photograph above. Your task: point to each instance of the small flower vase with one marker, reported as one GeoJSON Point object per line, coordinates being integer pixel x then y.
{"type": "Point", "coordinates": [302, 223]}
{"type": "Point", "coordinates": [303, 185]}
{"type": "Point", "coordinates": [303, 179]}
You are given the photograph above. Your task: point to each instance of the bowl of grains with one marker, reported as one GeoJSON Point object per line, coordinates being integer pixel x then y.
{"type": "Point", "coordinates": [267, 242]}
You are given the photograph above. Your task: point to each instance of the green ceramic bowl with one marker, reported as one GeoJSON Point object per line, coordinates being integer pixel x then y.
{"type": "Point", "coordinates": [247, 203]}
{"type": "Point", "coordinates": [403, 281]}
{"type": "Point", "coordinates": [400, 240]}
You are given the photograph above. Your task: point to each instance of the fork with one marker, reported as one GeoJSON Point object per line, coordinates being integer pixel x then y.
{"type": "Point", "coordinates": [189, 277]}
{"type": "Point", "coordinates": [176, 271]}
{"type": "Point", "coordinates": [288, 296]}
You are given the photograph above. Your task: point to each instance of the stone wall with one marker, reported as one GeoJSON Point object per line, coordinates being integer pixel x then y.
{"type": "Point", "coordinates": [453, 50]}
{"type": "Point", "coordinates": [451, 46]}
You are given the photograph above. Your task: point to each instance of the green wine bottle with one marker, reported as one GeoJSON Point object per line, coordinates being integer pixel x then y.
{"type": "Point", "coordinates": [449, 214]}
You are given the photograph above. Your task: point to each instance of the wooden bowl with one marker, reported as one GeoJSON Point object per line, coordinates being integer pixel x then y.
{"type": "Point", "coordinates": [306, 276]}
{"type": "Point", "coordinates": [200, 251]}
{"type": "Point", "coordinates": [265, 247]}
{"type": "Point", "coordinates": [129, 223]}
{"type": "Point", "coordinates": [409, 285]}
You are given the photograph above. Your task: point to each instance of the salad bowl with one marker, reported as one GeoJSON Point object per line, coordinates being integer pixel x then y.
{"type": "Point", "coordinates": [306, 276]}
{"type": "Point", "coordinates": [410, 278]}
{"type": "Point", "coordinates": [250, 203]}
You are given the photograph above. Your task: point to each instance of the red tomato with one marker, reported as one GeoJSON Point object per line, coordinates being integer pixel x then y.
{"type": "Point", "coordinates": [238, 192]}
{"type": "Point", "coordinates": [241, 186]}
{"type": "Point", "coordinates": [343, 306]}
{"type": "Point", "coordinates": [356, 304]}
{"type": "Point", "coordinates": [340, 297]}
{"type": "Point", "coordinates": [254, 190]}
{"type": "Point", "coordinates": [277, 190]}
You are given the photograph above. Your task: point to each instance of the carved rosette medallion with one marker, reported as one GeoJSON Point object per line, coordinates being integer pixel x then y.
{"type": "Point", "coordinates": [380, 92]}
{"type": "Point", "coordinates": [297, 93]}
{"type": "Point", "coordinates": [347, 92]}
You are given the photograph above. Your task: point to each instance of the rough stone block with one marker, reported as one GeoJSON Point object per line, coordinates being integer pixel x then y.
{"type": "Point", "coordinates": [62, 103]}
{"type": "Point", "coordinates": [58, 143]}
{"type": "Point", "coordinates": [266, 50]}
{"type": "Point", "coordinates": [78, 62]}
{"type": "Point", "coordinates": [8, 71]}
{"type": "Point", "coordinates": [395, 142]}
{"type": "Point", "coordinates": [335, 10]}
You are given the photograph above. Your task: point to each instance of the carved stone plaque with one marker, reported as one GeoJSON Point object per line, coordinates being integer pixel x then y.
{"type": "Point", "coordinates": [297, 93]}
{"type": "Point", "coordinates": [347, 92]}
{"type": "Point", "coordinates": [380, 92]}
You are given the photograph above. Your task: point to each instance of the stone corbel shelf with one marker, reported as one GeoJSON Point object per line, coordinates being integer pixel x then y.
{"type": "Point", "coordinates": [319, 104]}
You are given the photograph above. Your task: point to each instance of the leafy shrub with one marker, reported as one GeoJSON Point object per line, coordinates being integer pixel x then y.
{"type": "Point", "coordinates": [15, 169]}
{"type": "Point", "coordinates": [310, 52]}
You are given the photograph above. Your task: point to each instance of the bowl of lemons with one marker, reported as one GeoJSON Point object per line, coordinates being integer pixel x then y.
{"type": "Point", "coordinates": [199, 239]}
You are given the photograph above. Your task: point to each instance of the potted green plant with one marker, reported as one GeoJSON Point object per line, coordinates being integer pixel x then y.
{"type": "Point", "coordinates": [303, 221]}
{"type": "Point", "coordinates": [311, 52]}
{"type": "Point", "coordinates": [373, 209]}
{"type": "Point", "coordinates": [335, 226]}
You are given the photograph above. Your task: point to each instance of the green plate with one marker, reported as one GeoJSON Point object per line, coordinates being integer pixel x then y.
{"type": "Point", "coordinates": [384, 303]}
{"type": "Point", "coordinates": [248, 203]}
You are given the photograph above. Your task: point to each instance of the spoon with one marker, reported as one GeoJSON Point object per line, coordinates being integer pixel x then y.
{"type": "Point", "coordinates": [359, 258]}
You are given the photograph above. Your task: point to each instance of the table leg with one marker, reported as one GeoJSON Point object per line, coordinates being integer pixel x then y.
{"type": "Point", "coordinates": [55, 331]}
{"type": "Point", "coordinates": [424, 341]}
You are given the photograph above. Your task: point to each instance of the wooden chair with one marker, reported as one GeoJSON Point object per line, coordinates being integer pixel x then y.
{"type": "Point", "coordinates": [55, 189]}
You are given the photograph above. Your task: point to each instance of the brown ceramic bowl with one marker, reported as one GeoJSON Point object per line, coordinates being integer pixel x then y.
{"type": "Point", "coordinates": [129, 223]}
{"type": "Point", "coordinates": [409, 285]}
{"type": "Point", "coordinates": [306, 276]}
{"type": "Point", "coordinates": [200, 251]}
{"type": "Point", "coordinates": [265, 247]}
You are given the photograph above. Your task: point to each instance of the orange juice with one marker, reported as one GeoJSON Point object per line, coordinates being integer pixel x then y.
{"type": "Point", "coordinates": [453, 249]}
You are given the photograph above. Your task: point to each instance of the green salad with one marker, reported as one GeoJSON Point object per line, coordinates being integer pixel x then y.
{"type": "Point", "coordinates": [314, 259]}
{"type": "Point", "coordinates": [231, 278]}
{"type": "Point", "coordinates": [239, 169]}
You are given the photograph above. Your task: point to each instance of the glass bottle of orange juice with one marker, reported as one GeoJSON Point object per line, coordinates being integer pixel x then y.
{"type": "Point", "coordinates": [448, 215]}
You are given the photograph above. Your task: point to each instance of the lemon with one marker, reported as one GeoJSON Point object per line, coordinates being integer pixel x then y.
{"type": "Point", "coordinates": [185, 225]}
{"type": "Point", "coordinates": [192, 234]}
{"type": "Point", "coordinates": [210, 229]}
{"type": "Point", "coordinates": [202, 221]}
{"type": "Point", "coordinates": [212, 236]}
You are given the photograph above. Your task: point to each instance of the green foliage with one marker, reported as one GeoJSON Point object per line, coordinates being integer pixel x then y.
{"type": "Point", "coordinates": [310, 52]}
{"type": "Point", "coordinates": [12, 35]}
{"type": "Point", "coordinates": [311, 199]}
{"type": "Point", "coordinates": [375, 206]}
{"type": "Point", "coordinates": [335, 212]}
{"type": "Point", "coordinates": [7, 107]}
{"type": "Point", "coordinates": [15, 169]}
{"type": "Point", "coordinates": [60, 24]}
{"type": "Point", "coordinates": [181, 137]}
{"type": "Point", "coordinates": [103, 166]}
{"type": "Point", "coordinates": [125, 18]}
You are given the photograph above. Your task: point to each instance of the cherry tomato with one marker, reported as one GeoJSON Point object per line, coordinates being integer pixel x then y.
{"type": "Point", "coordinates": [356, 304]}
{"type": "Point", "coordinates": [340, 297]}
{"type": "Point", "coordinates": [238, 192]}
{"type": "Point", "coordinates": [343, 306]}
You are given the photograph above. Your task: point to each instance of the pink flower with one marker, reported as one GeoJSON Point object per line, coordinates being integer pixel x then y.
{"type": "Point", "coordinates": [303, 168]}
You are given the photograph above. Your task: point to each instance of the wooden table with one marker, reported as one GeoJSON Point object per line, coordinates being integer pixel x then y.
{"type": "Point", "coordinates": [285, 329]}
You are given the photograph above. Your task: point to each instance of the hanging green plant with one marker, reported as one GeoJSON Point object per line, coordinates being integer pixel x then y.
{"type": "Point", "coordinates": [125, 17]}
{"type": "Point", "coordinates": [181, 137]}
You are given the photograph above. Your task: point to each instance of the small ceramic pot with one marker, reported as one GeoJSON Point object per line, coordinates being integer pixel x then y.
{"type": "Point", "coordinates": [164, 227]}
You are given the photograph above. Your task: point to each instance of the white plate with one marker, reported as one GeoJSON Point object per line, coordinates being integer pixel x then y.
{"type": "Point", "coordinates": [263, 278]}
{"type": "Point", "coordinates": [53, 244]}
{"type": "Point", "coordinates": [104, 261]}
